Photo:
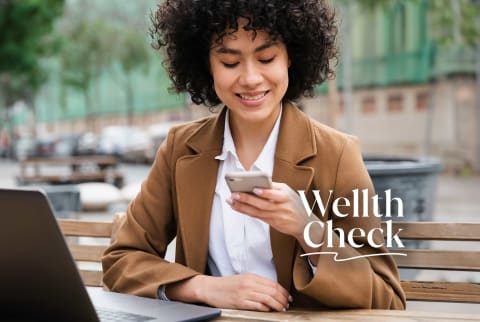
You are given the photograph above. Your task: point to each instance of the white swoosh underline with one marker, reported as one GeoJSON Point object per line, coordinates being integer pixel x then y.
{"type": "Point", "coordinates": [354, 257]}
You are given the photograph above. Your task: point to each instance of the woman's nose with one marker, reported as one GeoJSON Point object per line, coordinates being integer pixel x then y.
{"type": "Point", "coordinates": [250, 77]}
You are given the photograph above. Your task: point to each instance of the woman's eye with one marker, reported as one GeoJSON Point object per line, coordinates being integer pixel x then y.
{"type": "Point", "coordinates": [230, 65]}
{"type": "Point", "coordinates": [266, 61]}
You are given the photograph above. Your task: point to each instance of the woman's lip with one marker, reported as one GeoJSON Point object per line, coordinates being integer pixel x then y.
{"type": "Point", "coordinates": [253, 103]}
{"type": "Point", "coordinates": [252, 94]}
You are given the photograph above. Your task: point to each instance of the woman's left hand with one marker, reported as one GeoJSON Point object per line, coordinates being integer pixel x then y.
{"type": "Point", "coordinates": [280, 207]}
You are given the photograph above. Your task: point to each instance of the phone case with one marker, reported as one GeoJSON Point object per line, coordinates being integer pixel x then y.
{"type": "Point", "coordinates": [247, 181]}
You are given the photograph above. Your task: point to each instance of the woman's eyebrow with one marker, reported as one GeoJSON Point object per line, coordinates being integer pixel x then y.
{"type": "Point", "coordinates": [225, 50]}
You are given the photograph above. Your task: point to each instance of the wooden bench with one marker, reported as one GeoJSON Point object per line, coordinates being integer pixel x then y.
{"type": "Point", "coordinates": [77, 169]}
{"type": "Point", "coordinates": [437, 259]}
{"type": "Point", "coordinates": [439, 291]}
{"type": "Point", "coordinates": [102, 232]}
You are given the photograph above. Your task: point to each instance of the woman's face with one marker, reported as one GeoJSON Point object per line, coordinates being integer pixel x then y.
{"type": "Point", "coordinates": [250, 75]}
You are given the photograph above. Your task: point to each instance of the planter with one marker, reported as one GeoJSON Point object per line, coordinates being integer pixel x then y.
{"type": "Point", "coordinates": [411, 180]}
{"type": "Point", "coordinates": [414, 182]}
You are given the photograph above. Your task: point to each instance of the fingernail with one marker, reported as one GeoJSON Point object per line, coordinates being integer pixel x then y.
{"type": "Point", "coordinates": [257, 191]}
{"type": "Point", "coordinates": [229, 201]}
{"type": "Point", "coordinates": [284, 310]}
{"type": "Point", "coordinates": [236, 196]}
{"type": "Point", "coordinates": [290, 299]}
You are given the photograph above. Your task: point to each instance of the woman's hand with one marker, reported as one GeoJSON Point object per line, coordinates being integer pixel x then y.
{"type": "Point", "coordinates": [243, 292]}
{"type": "Point", "coordinates": [281, 208]}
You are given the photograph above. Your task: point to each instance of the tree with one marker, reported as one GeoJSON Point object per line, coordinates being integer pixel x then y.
{"type": "Point", "coordinates": [132, 54]}
{"type": "Point", "coordinates": [85, 54]}
{"type": "Point", "coordinates": [108, 39]}
{"type": "Point", "coordinates": [25, 38]}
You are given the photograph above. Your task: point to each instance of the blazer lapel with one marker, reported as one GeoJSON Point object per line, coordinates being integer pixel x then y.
{"type": "Point", "coordinates": [293, 147]}
{"type": "Point", "coordinates": [196, 177]}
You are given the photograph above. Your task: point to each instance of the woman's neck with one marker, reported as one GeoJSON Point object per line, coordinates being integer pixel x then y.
{"type": "Point", "coordinates": [250, 138]}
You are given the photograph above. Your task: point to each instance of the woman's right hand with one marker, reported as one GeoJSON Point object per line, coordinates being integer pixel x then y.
{"type": "Point", "coordinates": [242, 292]}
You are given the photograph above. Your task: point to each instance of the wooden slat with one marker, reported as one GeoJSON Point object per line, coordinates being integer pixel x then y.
{"type": "Point", "coordinates": [438, 231]}
{"type": "Point", "coordinates": [91, 278]}
{"type": "Point", "coordinates": [439, 259]}
{"type": "Point", "coordinates": [77, 176]}
{"type": "Point", "coordinates": [442, 291]}
{"type": "Point", "coordinates": [88, 253]}
{"type": "Point", "coordinates": [78, 160]}
{"type": "Point", "coordinates": [72, 227]}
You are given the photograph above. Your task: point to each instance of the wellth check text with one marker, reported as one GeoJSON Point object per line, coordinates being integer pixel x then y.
{"type": "Point", "coordinates": [356, 237]}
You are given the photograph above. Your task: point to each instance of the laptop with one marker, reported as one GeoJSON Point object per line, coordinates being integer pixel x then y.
{"type": "Point", "coordinates": [39, 280]}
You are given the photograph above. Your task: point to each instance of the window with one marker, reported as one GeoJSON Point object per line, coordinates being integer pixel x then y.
{"type": "Point", "coordinates": [368, 105]}
{"type": "Point", "coordinates": [395, 103]}
{"type": "Point", "coordinates": [421, 103]}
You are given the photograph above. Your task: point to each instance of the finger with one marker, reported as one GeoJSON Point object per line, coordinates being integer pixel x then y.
{"type": "Point", "coordinates": [254, 201]}
{"type": "Point", "coordinates": [278, 185]}
{"type": "Point", "coordinates": [271, 194]}
{"type": "Point", "coordinates": [249, 210]}
{"type": "Point", "coordinates": [269, 300]}
{"type": "Point", "coordinates": [276, 287]}
{"type": "Point", "coordinates": [255, 306]}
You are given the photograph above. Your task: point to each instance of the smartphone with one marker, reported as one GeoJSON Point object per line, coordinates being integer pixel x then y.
{"type": "Point", "coordinates": [247, 181]}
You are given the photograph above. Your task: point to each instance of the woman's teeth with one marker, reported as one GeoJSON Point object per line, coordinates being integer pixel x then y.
{"type": "Point", "coordinates": [252, 98]}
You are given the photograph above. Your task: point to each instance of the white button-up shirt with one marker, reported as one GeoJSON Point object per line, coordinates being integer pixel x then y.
{"type": "Point", "coordinates": [239, 243]}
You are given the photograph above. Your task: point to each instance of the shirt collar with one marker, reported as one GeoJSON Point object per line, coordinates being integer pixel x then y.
{"type": "Point", "coordinates": [228, 145]}
{"type": "Point", "coordinates": [266, 158]}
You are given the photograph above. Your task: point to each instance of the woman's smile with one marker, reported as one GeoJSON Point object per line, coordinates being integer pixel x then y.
{"type": "Point", "coordinates": [250, 75]}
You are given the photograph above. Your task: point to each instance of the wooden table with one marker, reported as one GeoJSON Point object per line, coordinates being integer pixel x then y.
{"type": "Point", "coordinates": [79, 169]}
{"type": "Point", "coordinates": [347, 315]}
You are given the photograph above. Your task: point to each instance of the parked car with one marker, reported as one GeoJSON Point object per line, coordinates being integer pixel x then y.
{"type": "Point", "coordinates": [45, 146]}
{"type": "Point", "coordinates": [24, 148]}
{"type": "Point", "coordinates": [112, 140]}
{"type": "Point", "coordinates": [138, 146]}
{"type": "Point", "coordinates": [87, 144]}
{"type": "Point", "coordinates": [128, 143]}
{"type": "Point", "coordinates": [158, 133]}
{"type": "Point", "coordinates": [66, 145]}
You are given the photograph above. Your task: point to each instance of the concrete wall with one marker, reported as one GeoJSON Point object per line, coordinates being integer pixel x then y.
{"type": "Point", "coordinates": [437, 119]}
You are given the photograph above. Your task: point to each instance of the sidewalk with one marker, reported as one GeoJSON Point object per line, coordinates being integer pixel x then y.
{"type": "Point", "coordinates": [457, 199]}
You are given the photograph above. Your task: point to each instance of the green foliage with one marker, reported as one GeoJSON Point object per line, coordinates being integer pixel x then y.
{"type": "Point", "coordinates": [445, 20]}
{"type": "Point", "coordinates": [97, 43]}
{"type": "Point", "coordinates": [443, 17]}
{"type": "Point", "coordinates": [25, 38]}
{"type": "Point", "coordinates": [131, 50]}
{"type": "Point", "coordinates": [86, 51]}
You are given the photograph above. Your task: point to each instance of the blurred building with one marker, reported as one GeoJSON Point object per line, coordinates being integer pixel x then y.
{"type": "Point", "coordinates": [411, 96]}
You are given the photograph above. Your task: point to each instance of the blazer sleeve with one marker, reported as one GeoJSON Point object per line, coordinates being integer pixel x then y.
{"type": "Point", "coordinates": [135, 263]}
{"type": "Point", "coordinates": [367, 282]}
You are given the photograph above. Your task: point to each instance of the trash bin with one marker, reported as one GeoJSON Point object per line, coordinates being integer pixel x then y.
{"type": "Point", "coordinates": [411, 180]}
{"type": "Point", "coordinates": [414, 182]}
{"type": "Point", "coordinates": [65, 199]}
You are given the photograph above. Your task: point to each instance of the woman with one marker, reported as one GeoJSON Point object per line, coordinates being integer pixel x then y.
{"type": "Point", "coordinates": [243, 250]}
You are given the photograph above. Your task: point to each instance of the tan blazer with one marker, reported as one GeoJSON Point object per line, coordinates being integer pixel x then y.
{"type": "Point", "coordinates": [176, 200]}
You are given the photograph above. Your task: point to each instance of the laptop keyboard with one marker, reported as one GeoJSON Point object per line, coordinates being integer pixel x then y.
{"type": "Point", "coordinates": [107, 315]}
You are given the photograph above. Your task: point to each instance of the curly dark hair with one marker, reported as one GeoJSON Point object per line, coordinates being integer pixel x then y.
{"type": "Point", "coordinates": [184, 28]}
